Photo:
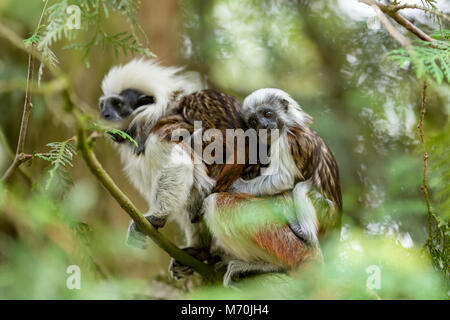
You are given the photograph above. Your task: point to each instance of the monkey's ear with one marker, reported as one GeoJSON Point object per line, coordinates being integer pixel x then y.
{"type": "Point", "coordinates": [285, 104]}
{"type": "Point", "coordinates": [144, 100]}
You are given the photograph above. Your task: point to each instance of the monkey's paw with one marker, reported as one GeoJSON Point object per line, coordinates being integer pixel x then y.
{"type": "Point", "coordinates": [238, 186]}
{"type": "Point", "coordinates": [308, 236]}
{"type": "Point", "coordinates": [179, 271]}
{"type": "Point", "coordinates": [234, 269]}
{"type": "Point", "coordinates": [136, 238]}
{"type": "Point", "coordinates": [157, 222]}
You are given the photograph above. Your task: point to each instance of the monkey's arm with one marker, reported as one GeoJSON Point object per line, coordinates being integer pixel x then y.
{"type": "Point", "coordinates": [279, 176]}
{"type": "Point", "coordinates": [267, 184]}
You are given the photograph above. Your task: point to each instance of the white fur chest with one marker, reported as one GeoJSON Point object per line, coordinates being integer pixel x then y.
{"type": "Point", "coordinates": [143, 169]}
{"type": "Point", "coordinates": [282, 166]}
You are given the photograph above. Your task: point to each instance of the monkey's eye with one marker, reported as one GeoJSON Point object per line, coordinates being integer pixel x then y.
{"type": "Point", "coordinates": [144, 100]}
{"type": "Point", "coordinates": [268, 114]}
{"type": "Point", "coordinates": [116, 102]}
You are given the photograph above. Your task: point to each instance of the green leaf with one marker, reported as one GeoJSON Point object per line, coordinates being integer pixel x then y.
{"type": "Point", "coordinates": [443, 34]}
{"type": "Point", "coordinates": [60, 156]}
{"type": "Point", "coordinates": [113, 132]}
{"type": "Point", "coordinates": [432, 58]}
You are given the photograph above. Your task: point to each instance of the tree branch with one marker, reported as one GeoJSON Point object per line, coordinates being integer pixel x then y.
{"type": "Point", "coordinates": [389, 27]}
{"type": "Point", "coordinates": [431, 216]}
{"type": "Point", "coordinates": [33, 55]}
{"type": "Point", "coordinates": [28, 106]}
{"type": "Point", "coordinates": [415, 6]}
{"type": "Point", "coordinates": [25, 174]}
{"type": "Point", "coordinates": [391, 12]}
{"type": "Point", "coordinates": [206, 271]}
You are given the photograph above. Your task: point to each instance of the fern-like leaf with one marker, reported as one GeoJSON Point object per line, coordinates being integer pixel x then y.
{"type": "Point", "coordinates": [443, 34]}
{"type": "Point", "coordinates": [115, 133]}
{"type": "Point", "coordinates": [431, 58]}
{"type": "Point", "coordinates": [35, 37]}
{"type": "Point", "coordinates": [60, 157]}
{"type": "Point", "coordinates": [93, 13]}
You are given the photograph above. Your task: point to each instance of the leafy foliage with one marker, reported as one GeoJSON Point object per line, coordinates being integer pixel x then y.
{"type": "Point", "coordinates": [60, 156]}
{"type": "Point", "coordinates": [35, 37]}
{"type": "Point", "coordinates": [431, 58]}
{"type": "Point", "coordinates": [443, 34]}
{"type": "Point", "coordinates": [92, 16]}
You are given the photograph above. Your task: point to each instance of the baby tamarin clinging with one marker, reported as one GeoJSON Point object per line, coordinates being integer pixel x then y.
{"type": "Point", "coordinates": [299, 160]}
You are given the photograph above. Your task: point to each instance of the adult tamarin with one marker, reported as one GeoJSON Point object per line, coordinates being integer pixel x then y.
{"type": "Point", "coordinates": [299, 161]}
{"type": "Point", "coordinates": [151, 102]}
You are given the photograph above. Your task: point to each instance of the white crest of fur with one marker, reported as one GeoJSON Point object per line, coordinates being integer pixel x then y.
{"type": "Point", "coordinates": [148, 77]}
{"type": "Point", "coordinates": [296, 115]}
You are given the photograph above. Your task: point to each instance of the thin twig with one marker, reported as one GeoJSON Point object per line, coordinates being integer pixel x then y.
{"type": "Point", "coordinates": [432, 218]}
{"type": "Point", "coordinates": [25, 174]}
{"type": "Point", "coordinates": [409, 26]}
{"type": "Point", "coordinates": [399, 19]}
{"type": "Point", "coordinates": [424, 186]}
{"type": "Point", "coordinates": [415, 6]}
{"type": "Point", "coordinates": [389, 27]}
{"type": "Point", "coordinates": [28, 106]}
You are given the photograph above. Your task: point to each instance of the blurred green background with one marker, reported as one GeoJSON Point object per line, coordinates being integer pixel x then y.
{"type": "Point", "coordinates": [329, 55]}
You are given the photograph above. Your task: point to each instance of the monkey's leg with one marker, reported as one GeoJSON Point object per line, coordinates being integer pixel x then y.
{"type": "Point", "coordinates": [238, 267]}
{"type": "Point", "coordinates": [264, 185]}
{"type": "Point", "coordinates": [135, 237]}
{"type": "Point", "coordinates": [169, 197]}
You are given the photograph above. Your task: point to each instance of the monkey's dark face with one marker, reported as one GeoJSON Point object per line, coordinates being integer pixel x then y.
{"type": "Point", "coordinates": [266, 116]}
{"type": "Point", "coordinates": [121, 106]}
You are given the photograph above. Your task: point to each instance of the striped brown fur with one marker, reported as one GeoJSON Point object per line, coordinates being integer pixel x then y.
{"type": "Point", "coordinates": [215, 110]}
{"type": "Point", "coordinates": [316, 163]}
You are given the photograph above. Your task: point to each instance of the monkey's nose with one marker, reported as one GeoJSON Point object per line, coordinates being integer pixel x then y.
{"type": "Point", "coordinates": [110, 114]}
